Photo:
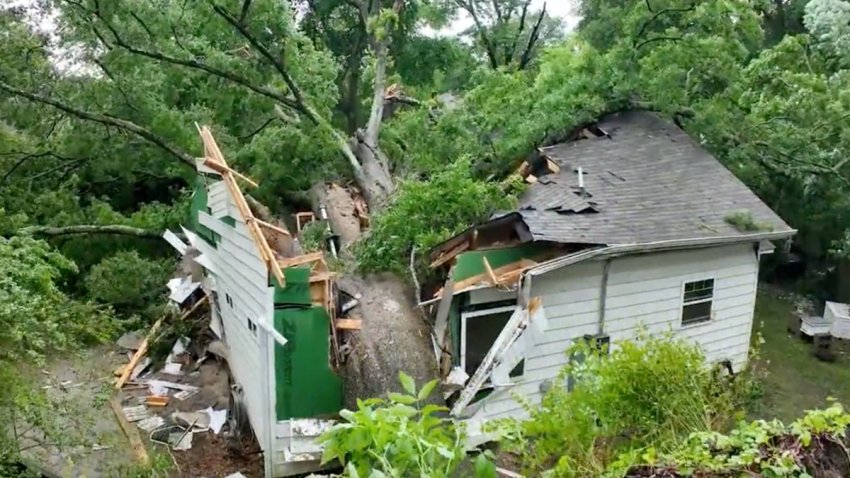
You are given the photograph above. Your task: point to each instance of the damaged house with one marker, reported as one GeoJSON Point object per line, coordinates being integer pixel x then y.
{"type": "Point", "coordinates": [630, 224]}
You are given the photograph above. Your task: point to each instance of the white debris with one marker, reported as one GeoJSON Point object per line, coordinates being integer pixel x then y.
{"type": "Point", "coordinates": [217, 418]}
{"type": "Point", "coordinates": [184, 394]}
{"type": "Point", "coordinates": [139, 368]}
{"type": "Point", "coordinates": [135, 414]}
{"type": "Point", "coordinates": [199, 421]}
{"type": "Point", "coordinates": [150, 424]}
{"type": "Point", "coordinates": [181, 288]}
{"type": "Point", "coordinates": [173, 368]}
{"type": "Point", "coordinates": [166, 384]}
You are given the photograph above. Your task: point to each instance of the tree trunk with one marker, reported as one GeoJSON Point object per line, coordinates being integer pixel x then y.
{"type": "Point", "coordinates": [342, 213]}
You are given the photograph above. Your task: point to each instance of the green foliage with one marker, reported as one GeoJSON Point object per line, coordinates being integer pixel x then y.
{"type": "Point", "coordinates": [397, 436]}
{"type": "Point", "coordinates": [314, 235]}
{"type": "Point", "coordinates": [426, 212]}
{"type": "Point", "coordinates": [763, 448]}
{"type": "Point", "coordinates": [38, 318]}
{"type": "Point", "coordinates": [745, 222]}
{"type": "Point", "coordinates": [647, 392]}
{"type": "Point", "coordinates": [130, 283]}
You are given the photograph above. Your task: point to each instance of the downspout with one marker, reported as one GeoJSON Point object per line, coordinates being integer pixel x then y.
{"type": "Point", "coordinates": [603, 294]}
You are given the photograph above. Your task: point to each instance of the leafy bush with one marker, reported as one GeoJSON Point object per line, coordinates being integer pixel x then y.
{"type": "Point", "coordinates": [130, 283]}
{"type": "Point", "coordinates": [760, 448]}
{"type": "Point", "coordinates": [426, 212]}
{"type": "Point", "coordinates": [36, 318]}
{"type": "Point", "coordinates": [647, 392]}
{"type": "Point", "coordinates": [399, 437]}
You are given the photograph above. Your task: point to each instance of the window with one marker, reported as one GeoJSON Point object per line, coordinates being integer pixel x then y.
{"type": "Point", "coordinates": [228, 299]}
{"type": "Point", "coordinates": [479, 331]}
{"type": "Point", "coordinates": [252, 326]}
{"type": "Point", "coordinates": [697, 297]}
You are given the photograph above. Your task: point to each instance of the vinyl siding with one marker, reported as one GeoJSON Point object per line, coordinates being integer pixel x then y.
{"type": "Point", "coordinates": [242, 276]}
{"type": "Point", "coordinates": [643, 291]}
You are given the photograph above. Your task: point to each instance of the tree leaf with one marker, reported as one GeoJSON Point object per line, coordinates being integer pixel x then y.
{"type": "Point", "coordinates": [407, 383]}
{"type": "Point", "coordinates": [426, 390]}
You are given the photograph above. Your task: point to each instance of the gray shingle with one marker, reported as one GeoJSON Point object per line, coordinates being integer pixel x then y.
{"type": "Point", "coordinates": [647, 182]}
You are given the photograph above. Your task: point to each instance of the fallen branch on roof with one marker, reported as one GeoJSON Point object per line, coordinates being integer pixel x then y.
{"type": "Point", "coordinates": [117, 230]}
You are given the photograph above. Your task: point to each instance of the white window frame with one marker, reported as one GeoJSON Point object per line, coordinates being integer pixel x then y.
{"type": "Point", "coordinates": [682, 323]}
{"type": "Point", "coordinates": [472, 314]}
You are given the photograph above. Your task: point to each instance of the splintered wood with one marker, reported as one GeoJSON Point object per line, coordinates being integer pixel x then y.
{"type": "Point", "coordinates": [214, 159]}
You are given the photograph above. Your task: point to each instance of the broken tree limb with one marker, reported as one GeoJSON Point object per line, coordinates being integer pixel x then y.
{"type": "Point", "coordinates": [130, 432]}
{"type": "Point", "coordinates": [143, 348]}
{"type": "Point", "coordinates": [220, 168]}
{"type": "Point", "coordinates": [91, 229]}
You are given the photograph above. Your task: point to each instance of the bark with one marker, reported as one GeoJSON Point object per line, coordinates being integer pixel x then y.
{"type": "Point", "coordinates": [90, 229]}
{"type": "Point", "coordinates": [342, 214]}
{"type": "Point", "coordinates": [283, 244]}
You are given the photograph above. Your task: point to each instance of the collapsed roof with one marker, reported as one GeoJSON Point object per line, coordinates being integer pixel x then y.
{"type": "Point", "coordinates": [645, 180]}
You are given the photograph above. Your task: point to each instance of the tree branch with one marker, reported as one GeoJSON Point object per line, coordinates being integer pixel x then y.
{"type": "Point", "coordinates": [258, 130]}
{"type": "Point", "coordinates": [376, 116]}
{"type": "Point", "coordinates": [298, 101]}
{"type": "Point", "coordinates": [91, 229]}
{"type": "Point", "coordinates": [655, 39]}
{"type": "Point", "coordinates": [655, 17]}
{"type": "Point", "coordinates": [243, 13]}
{"type": "Point", "coordinates": [509, 54]}
{"type": "Point", "coordinates": [532, 40]}
{"type": "Point", "coordinates": [122, 124]}
{"type": "Point", "coordinates": [482, 32]}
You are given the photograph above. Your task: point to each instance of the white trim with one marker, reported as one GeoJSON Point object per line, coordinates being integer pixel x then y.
{"type": "Point", "coordinates": [472, 314]}
{"type": "Point", "coordinates": [682, 324]}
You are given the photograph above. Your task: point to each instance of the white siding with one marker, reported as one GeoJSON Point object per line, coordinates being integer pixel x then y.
{"type": "Point", "coordinates": [241, 276]}
{"type": "Point", "coordinates": [643, 291]}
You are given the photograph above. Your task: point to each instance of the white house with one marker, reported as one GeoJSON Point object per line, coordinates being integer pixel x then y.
{"type": "Point", "coordinates": [628, 225]}
{"type": "Point", "coordinates": [272, 313]}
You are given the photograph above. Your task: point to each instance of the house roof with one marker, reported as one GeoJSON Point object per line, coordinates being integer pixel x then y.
{"type": "Point", "coordinates": [645, 181]}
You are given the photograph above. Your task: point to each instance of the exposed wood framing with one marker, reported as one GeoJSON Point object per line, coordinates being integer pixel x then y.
{"type": "Point", "coordinates": [348, 324]}
{"type": "Point", "coordinates": [489, 270]}
{"type": "Point", "coordinates": [448, 256]}
{"type": "Point", "coordinates": [505, 276]}
{"type": "Point", "coordinates": [299, 260]}
{"type": "Point", "coordinates": [302, 219]}
{"type": "Point", "coordinates": [274, 228]}
{"type": "Point", "coordinates": [221, 169]}
{"type": "Point", "coordinates": [213, 153]}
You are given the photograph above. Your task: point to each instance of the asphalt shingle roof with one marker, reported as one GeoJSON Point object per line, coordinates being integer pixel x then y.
{"type": "Point", "coordinates": [647, 181]}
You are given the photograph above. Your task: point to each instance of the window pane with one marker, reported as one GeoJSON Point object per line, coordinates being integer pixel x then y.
{"type": "Point", "coordinates": [699, 290]}
{"type": "Point", "coordinates": [481, 333]}
{"type": "Point", "coordinates": [695, 313]}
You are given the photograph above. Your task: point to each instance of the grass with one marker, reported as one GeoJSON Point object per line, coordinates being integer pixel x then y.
{"type": "Point", "coordinates": [796, 381]}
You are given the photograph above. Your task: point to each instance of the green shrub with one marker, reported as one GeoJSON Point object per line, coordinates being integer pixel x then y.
{"type": "Point", "coordinates": [646, 392]}
{"type": "Point", "coordinates": [131, 284]}
{"type": "Point", "coordinates": [399, 436]}
{"type": "Point", "coordinates": [760, 448]}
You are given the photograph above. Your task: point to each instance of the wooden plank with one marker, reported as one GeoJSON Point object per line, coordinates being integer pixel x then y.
{"type": "Point", "coordinates": [348, 324]}
{"type": "Point", "coordinates": [531, 179]}
{"type": "Point", "coordinates": [303, 259]}
{"type": "Point", "coordinates": [274, 228]}
{"type": "Point", "coordinates": [446, 257]}
{"type": "Point", "coordinates": [221, 169]}
{"type": "Point", "coordinates": [552, 165]}
{"type": "Point", "coordinates": [131, 432]}
{"type": "Point", "coordinates": [489, 270]}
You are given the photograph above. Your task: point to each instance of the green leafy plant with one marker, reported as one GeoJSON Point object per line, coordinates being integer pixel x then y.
{"type": "Point", "coordinates": [647, 392]}
{"type": "Point", "coordinates": [130, 283]}
{"type": "Point", "coordinates": [314, 235]}
{"type": "Point", "coordinates": [398, 436]}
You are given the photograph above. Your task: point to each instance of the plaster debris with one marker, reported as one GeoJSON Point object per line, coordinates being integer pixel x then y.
{"type": "Point", "coordinates": [199, 421]}
{"type": "Point", "coordinates": [167, 384]}
{"type": "Point", "coordinates": [173, 368]}
{"type": "Point", "coordinates": [138, 369]}
{"type": "Point", "coordinates": [181, 288]}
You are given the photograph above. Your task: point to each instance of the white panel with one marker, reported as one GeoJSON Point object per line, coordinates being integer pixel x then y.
{"type": "Point", "coordinates": [217, 199]}
{"type": "Point", "coordinates": [643, 290]}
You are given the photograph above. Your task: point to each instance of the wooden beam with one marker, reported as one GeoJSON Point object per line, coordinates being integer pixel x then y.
{"type": "Point", "coordinates": [130, 432]}
{"type": "Point", "coordinates": [489, 270]}
{"type": "Point", "coordinates": [143, 348]}
{"type": "Point", "coordinates": [303, 259]}
{"type": "Point", "coordinates": [221, 169]}
{"type": "Point", "coordinates": [272, 227]}
{"type": "Point", "coordinates": [348, 324]}
{"type": "Point", "coordinates": [451, 254]}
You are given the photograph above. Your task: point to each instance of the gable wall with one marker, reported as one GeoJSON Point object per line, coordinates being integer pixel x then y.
{"type": "Point", "coordinates": [240, 274]}
{"type": "Point", "coordinates": [643, 290]}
